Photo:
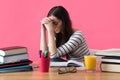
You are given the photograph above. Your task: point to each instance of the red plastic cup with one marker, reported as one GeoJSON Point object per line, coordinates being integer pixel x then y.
{"type": "Point", "coordinates": [44, 64]}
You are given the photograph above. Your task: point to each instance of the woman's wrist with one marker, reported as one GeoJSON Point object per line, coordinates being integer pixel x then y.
{"type": "Point", "coordinates": [51, 32]}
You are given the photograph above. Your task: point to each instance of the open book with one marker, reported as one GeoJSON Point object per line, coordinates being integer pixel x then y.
{"type": "Point", "coordinates": [68, 63]}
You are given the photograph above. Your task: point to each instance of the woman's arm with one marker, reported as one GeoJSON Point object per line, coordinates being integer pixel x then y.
{"type": "Point", "coordinates": [43, 42]}
{"type": "Point", "coordinates": [48, 25]}
{"type": "Point", "coordinates": [51, 41]}
{"type": "Point", "coordinates": [75, 40]}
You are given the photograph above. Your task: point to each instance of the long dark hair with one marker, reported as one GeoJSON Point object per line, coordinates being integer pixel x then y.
{"type": "Point", "coordinates": [62, 14]}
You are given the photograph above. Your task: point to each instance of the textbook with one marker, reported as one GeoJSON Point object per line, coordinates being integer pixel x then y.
{"type": "Point", "coordinates": [108, 52]}
{"type": "Point", "coordinates": [13, 58]}
{"type": "Point", "coordinates": [110, 67]}
{"type": "Point", "coordinates": [19, 63]}
{"type": "Point", "coordinates": [16, 69]}
{"type": "Point", "coordinates": [67, 64]}
{"type": "Point", "coordinates": [12, 50]}
{"type": "Point", "coordinates": [113, 59]}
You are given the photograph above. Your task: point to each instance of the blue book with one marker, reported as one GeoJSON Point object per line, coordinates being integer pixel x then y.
{"type": "Point", "coordinates": [17, 69]}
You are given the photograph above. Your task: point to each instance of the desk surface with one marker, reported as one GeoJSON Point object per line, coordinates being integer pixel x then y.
{"type": "Point", "coordinates": [52, 75]}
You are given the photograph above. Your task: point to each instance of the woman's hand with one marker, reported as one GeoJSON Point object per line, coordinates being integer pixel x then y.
{"type": "Point", "coordinates": [48, 23]}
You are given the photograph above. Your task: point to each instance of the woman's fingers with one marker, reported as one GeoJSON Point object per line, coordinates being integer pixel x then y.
{"type": "Point", "coordinates": [46, 20]}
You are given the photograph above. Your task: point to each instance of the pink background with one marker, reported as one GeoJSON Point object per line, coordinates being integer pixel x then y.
{"type": "Point", "coordinates": [98, 19]}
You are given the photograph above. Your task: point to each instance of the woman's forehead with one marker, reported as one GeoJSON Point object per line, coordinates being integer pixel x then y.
{"type": "Point", "coordinates": [54, 18]}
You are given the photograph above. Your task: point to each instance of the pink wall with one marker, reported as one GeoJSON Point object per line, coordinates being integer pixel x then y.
{"type": "Point", "coordinates": [98, 19]}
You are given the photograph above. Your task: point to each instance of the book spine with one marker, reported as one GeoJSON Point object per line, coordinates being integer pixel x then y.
{"type": "Point", "coordinates": [109, 63]}
{"type": "Point", "coordinates": [13, 51]}
{"type": "Point", "coordinates": [109, 67]}
{"type": "Point", "coordinates": [14, 67]}
{"type": "Point", "coordinates": [13, 58]}
{"type": "Point", "coordinates": [110, 59]}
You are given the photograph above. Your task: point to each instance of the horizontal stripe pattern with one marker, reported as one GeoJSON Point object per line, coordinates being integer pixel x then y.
{"type": "Point", "coordinates": [76, 47]}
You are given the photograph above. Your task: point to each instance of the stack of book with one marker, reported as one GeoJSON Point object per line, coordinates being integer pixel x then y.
{"type": "Point", "coordinates": [110, 60]}
{"type": "Point", "coordinates": [14, 59]}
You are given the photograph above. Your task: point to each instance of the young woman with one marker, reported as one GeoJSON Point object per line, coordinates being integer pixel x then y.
{"type": "Point", "coordinates": [62, 39]}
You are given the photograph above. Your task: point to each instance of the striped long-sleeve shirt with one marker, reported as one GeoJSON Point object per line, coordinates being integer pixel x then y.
{"type": "Point", "coordinates": [76, 47]}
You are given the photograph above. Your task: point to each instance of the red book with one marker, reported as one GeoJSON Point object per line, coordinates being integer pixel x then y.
{"type": "Point", "coordinates": [22, 62]}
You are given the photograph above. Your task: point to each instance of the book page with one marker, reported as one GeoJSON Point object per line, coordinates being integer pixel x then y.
{"type": "Point", "coordinates": [68, 63]}
{"type": "Point", "coordinates": [76, 63]}
{"type": "Point", "coordinates": [58, 64]}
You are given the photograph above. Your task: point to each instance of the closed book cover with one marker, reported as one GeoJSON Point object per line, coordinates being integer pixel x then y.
{"type": "Point", "coordinates": [12, 50]}
{"type": "Point", "coordinates": [108, 52]}
{"type": "Point", "coordinates": [22, 62]}
{"type": "Point", "coordinates": [13, 58]}
{"type": "Point", "coordinates": [113, 59]}
{"type": "Point", "coordinates": [16, 69]}
{"type": "Point", "coordinates": [110, 67]}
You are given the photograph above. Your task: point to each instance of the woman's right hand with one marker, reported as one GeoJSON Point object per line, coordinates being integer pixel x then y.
{"type": "Point", "coordinates": [43, 22]}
